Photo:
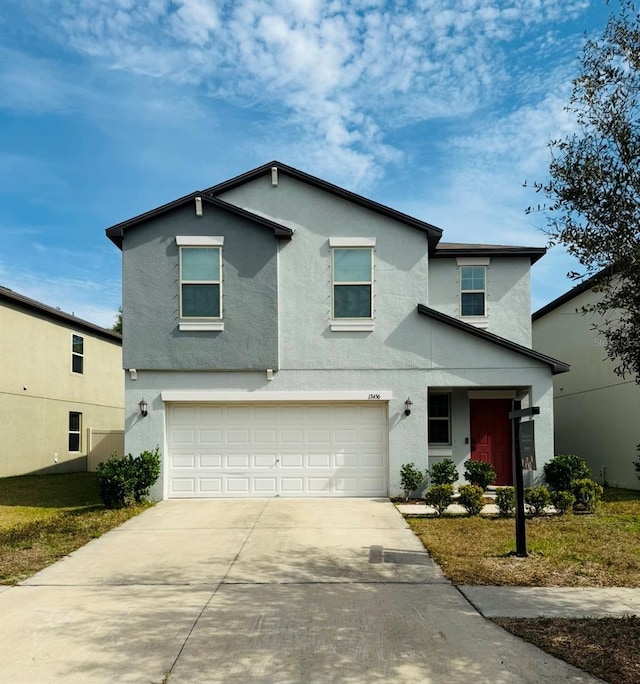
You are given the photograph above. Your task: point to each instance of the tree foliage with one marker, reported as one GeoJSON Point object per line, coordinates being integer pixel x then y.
{"type": "Point", "coordinates": [117, 325]}
{"type": "Point", "coordinates": [594, 186]}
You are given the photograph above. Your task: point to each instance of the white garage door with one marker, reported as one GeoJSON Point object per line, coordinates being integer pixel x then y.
{"type": "Point", "coordinates": [277, 449]}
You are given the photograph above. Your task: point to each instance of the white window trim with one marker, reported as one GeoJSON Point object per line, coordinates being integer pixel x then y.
{"type": "Point", "coordinates": [353, 324]}
{"type": "Point", "coordinates": [74, 354]}
{"type": "Point", "coordinates": [200, 324]}
{"type": "Point", "coordinates": [75, 432]}
{"type": "Point", "coordinates": [200, 240]}
{"type": "Point", "coordinates": [476, 321]}
{"type": "Point", "coordinates": [440, 445]}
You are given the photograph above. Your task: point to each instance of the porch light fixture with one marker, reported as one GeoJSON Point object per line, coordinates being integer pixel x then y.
{"type": "Point", "coordinates": [407, 407]}
{"type": "Point", "coordinates": [143, 407]}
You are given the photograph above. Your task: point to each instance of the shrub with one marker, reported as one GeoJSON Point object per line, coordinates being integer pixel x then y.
{"type": "Point", "coordinates": [563, 469]}
{"type": "Point", "coordinates": [479, 473]}
{"type": "Point", "coordinates": [125, 481]}
{"type": "Point", "coordinates": [439, 496]}
{"type": "Point", "coordinates": [537, 498]}
{"type": "Point", "coordinates": [410, 478]}
{"type": "Point", "coordinates": [506, 501]}
{"type": "Point", "coordinates": [471, 498]}
{"type": "Point", "coordinates": [588, 493]}
{"type": "Point", "coordinates": [443, 472]}
{"type": "Point", "coordinates": [636, 463]}
{"type": "Point", "coordinates": [563, 502]}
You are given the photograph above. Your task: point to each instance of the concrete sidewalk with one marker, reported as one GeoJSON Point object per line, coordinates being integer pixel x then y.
{"type": "Point", "coordinates": [258, 590]}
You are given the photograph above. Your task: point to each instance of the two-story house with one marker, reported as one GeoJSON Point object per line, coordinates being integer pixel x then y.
{"type": "Point", "coordinates": [61, 389]}
{"type": "Point", "coordinates": [284, 336]}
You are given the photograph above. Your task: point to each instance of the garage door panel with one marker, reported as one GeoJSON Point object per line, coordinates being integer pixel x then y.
{"type": "Point", "coordinates": [281, 449]}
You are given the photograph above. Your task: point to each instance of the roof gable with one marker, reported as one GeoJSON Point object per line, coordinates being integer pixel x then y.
{"type": "Point", "coordinates": [555, 365]}
{"type": "Point", "coordinates": [116, 233]}
{"type": "Point", "coordinates": [432, 232]}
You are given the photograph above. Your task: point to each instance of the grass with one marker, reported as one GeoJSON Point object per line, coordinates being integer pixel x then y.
{"type": "Point", "coordinates": [604, 647]}
{"type": "Point", "coordinates": [599, 550]}
{"type": "Point", "coordinates": [596, 550]}
{"type": "Point", "coordinates": [46, 517]}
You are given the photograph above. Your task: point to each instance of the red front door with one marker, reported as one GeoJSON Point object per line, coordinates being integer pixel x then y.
{"type": "Point", "coordinates": [491, 436]}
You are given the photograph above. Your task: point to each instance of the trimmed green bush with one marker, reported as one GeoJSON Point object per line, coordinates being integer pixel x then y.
{"type": "Point", "coordinates": [479, 473]}
{"type": "Point", "coordinates": [537, 498]}
{"type": "Point", "coordinates": [440, 497]}
{"type": "Point", "coordinates": [125, 481]}
{"type": "Point", "coordinates": [471, 498]}
{"type": "Point", "coordinates": [588, 493]}
{"type": "Point", "coordinates": [410, 479]}
{"type": "Point", "coordinates": [506, 501]}
{"type": "Point", "coordinates": [563, 469]}
{"type": "Point", "coordinates": [443, 472]}
{"type": "Point", "coordinates": [563, 502]}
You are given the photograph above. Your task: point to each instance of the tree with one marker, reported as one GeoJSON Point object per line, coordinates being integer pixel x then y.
{"type": "Point", "coordinates": [594, 187]}
{"type": "Point", "coordinates": [117, 326]}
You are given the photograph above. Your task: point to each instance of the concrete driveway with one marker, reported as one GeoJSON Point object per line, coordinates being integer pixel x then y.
{"type": "Point", "coordinates": [257, 590]}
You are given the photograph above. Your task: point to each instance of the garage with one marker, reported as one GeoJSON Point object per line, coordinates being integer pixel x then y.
{"type": "Point", "coordinates": [284, 449]}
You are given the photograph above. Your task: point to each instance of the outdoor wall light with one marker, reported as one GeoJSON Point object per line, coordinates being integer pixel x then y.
{"type": "Point", "coordinates": [143, 407]}
{"type": "Point", "coordinates": [407, 407]}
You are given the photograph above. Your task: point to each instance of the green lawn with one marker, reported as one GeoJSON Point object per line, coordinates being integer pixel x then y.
{"type": "Point", "coordinates": [602, 549]}
{"type": "Point", "coordinates": [46, 517]}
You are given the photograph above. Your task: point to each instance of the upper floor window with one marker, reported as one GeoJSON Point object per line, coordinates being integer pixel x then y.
{"type": "Point", "coordinates": [352, 283]}
{"type": "Point", "coordinates": [472, 290]}
{"type": "Point", "coordinates": [77, 354]}
{"type": "Point", "coordinates": [200, 283]}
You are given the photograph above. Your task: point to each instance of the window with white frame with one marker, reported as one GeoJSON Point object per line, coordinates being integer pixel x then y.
{"type": "Point", "coordinates": [200, 283]}
{"type": "Point", "coordinates": [440, 419]}
{"type": "Point", "coordinates": [75, 431]}
{"type": "Point", "coordinates": [473, 290]}
{"type": "Point", "coordinates": [352, 278]}
{"type": "Point", "coordinates": [77, 354]}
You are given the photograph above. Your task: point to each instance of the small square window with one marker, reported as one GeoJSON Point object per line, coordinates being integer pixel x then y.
{"type": "Point", "coordinates": [77, 354]}
{"type": "Point", "coordinates": [439, 419]}
{"type": "Point", "coordinates": [75, 431]}
{"type": "Point", "coordinates": [472, 290]}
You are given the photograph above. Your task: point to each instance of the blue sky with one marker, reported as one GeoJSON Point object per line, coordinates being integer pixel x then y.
{"type": "Point", "coordinates": [438, 108]}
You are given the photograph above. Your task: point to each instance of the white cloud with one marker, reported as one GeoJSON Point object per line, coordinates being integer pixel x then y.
{"type": "Point", "coordinates": [342, 71]}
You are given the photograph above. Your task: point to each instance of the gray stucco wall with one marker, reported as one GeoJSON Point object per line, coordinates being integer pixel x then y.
{"type": "Point", "coordinates": [152, 338]}
{"type": "Point", "coordinates": [401, 279]}
{"type": "Point", "coordinates": [508, 297]}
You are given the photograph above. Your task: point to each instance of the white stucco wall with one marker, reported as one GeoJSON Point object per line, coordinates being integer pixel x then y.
{"type": "Point", "coordinates": [596, 410]}
{"type": "Point", "coordinates": [508, 298]}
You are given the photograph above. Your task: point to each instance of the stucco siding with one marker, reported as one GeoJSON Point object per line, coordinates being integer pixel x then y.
{"type": "Point", "coordinates": [508, 299]}
{"type": "Point", "coordinates": [400, 272]}
{"type": "Point", "coordinates": [151, 283]}
{"type": "Point", "coordinates": [38, 390]}
{"type": "Point", "coordinates": [596, 411]}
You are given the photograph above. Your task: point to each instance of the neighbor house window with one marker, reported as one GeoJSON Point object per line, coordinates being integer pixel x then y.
{"type": "Point", "coordinates": [75, 431]}
{"type": "Point", "coordinates": [439, 419]}
{"type": "Point", "coordinates": [77, 354]}
{"type": "Point", "coordinates": [472, 290]}
{"type": "Point", "coordinates": [200, 283]}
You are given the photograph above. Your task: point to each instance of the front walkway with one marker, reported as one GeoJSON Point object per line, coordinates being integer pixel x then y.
{"type": "Point", "coordinates": [269, 590]}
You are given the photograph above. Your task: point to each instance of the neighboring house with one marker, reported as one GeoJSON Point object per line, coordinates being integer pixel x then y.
{"type": "Point", "coordinates": [276, 325]}
{"type": "Point", "coordinates": [596, 411]}
{"type": "Point", "coordinates": [61, 389]}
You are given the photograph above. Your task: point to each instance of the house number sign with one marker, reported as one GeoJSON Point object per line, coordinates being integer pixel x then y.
{"type": "Point", "coordinates": [374, 396]}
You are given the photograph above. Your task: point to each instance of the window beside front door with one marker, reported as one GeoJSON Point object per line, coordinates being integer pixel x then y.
{"type": "Point", "coordinates": [440, 419]}
{"type": "Point", "coordinates": [75, 431]}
